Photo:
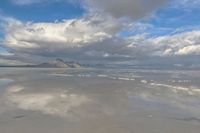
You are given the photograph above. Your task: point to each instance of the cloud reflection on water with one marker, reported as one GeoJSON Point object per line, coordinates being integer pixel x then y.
{"type": "Point", "coordinates": [101, 103]}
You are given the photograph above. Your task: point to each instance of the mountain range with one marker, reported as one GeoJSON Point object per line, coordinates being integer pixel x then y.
{"type": "Point", "coordinates": [58, 63]}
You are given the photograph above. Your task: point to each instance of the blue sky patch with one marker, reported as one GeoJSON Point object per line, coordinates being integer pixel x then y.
{"type": "Point", "coordinates": [41, 12]}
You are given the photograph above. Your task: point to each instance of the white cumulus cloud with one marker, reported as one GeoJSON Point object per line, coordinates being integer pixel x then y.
{"type": "Point", "coordinates": [186, 43]}
{"type": "Point", "coordinates": [52, 37]}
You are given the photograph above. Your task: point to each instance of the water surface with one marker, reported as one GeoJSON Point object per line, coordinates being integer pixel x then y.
{"type": "Point", "coordinates": [99, 101]}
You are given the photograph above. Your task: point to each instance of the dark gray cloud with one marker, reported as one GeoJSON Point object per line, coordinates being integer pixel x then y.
{"type": "Point", "coordinates": [135, 9]}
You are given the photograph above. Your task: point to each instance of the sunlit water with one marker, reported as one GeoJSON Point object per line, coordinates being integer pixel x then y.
{"type": "Point", "coordinates": [99, 101]}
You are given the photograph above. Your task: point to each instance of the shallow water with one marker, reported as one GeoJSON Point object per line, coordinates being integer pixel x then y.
{"type": "Point", "coordinates": [99, 101]}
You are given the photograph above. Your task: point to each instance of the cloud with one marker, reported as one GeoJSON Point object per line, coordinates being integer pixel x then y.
{"type": "Point", "coordinates": [10, 62]}
{"type": "Point", "coordinates": [26, 2]}
{"type": "Point", "coordinates": [135, 9]}
{"type": "Point", "coordinates": [30, 2]}
{"type": "Point", "coordinates": [186, 4]}
{"type": "Point", "coordinates": [59, 36]}
{"type": "Point", "coordinates": [97, 36]}
{"type": "Point", "coordinates": [186, 43]}
{"type": "Point", "coordinates": [93, 38]}
{"type": "Point", "coordinates": [193, 49]}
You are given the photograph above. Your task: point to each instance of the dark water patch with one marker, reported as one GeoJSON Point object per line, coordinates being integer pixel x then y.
{"type": "Point", "coordinates": [19, 116]}
{"type": "Point", "coordinates": [189, 119]}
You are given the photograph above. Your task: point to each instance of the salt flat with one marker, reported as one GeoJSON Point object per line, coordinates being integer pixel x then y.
{"type": "Point", "coordinates": [99, 101]}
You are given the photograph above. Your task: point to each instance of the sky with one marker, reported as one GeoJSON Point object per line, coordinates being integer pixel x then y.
{"type": "Point", "coordinates": [156, 33]}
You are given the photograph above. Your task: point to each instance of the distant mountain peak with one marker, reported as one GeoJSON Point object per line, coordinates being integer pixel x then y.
{"type": "Point", "coordinates": [60, 60]}
{"type": "Point", "coordinates": [59, 63]}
